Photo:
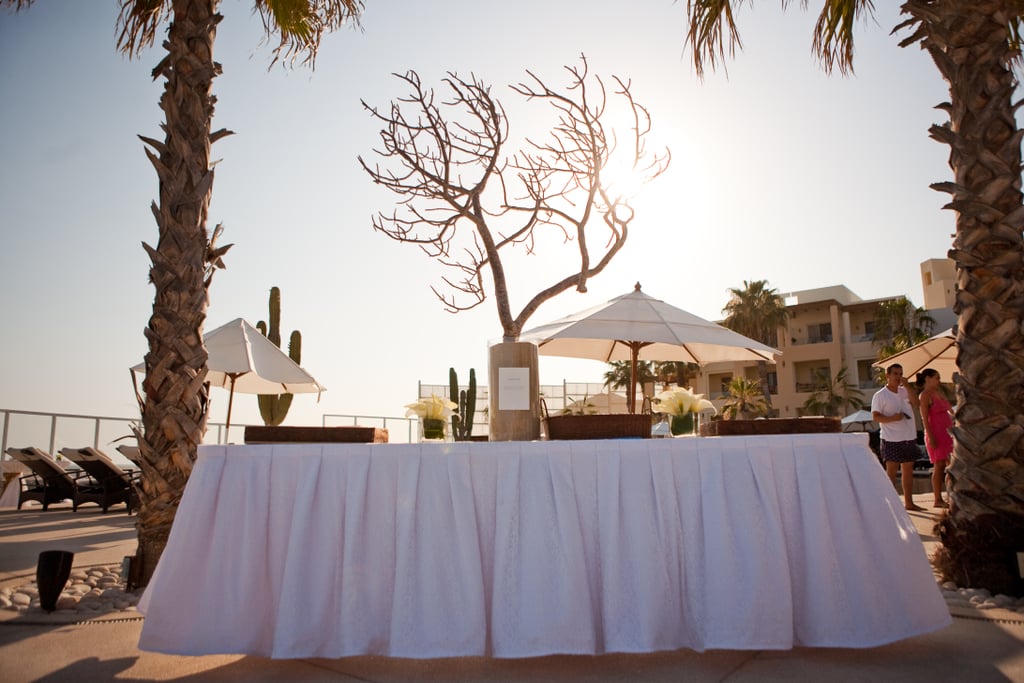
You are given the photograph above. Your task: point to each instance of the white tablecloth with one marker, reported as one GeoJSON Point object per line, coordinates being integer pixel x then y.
{"type": "Point", "coordinates": [525, 549]}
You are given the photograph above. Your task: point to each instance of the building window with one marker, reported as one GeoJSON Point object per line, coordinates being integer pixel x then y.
{"type": "Point", "coordinates": [817, 334]}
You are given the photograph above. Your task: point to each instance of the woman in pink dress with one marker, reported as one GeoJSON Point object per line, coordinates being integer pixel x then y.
{"type": "Point", "coordinates": [937, 418]}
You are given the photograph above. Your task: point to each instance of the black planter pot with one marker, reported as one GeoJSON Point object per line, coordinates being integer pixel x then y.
{"type": "Point", "coordinates": [52, 574]}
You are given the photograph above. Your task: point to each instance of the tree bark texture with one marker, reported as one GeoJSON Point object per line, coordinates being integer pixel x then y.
{"type": "Point", "coordinates": [174, 412]}
{"type": "Point", "coordinates": [984, 528]}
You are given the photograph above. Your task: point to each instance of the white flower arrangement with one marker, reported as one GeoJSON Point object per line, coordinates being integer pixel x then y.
{"type": "Point", "coordinates": [680, 402]}
{"type": "Point", "coordinates": [433, 408]}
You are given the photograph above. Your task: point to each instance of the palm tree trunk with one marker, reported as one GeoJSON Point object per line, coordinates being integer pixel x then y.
{"type": "Point", "coordinates": [983, 531]}
{"type": "Point", "coordinates": [174, 412]}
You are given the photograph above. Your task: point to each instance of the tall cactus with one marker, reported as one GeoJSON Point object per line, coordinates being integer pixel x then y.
{"type": "Point", "coordinates": [462, 421]}
{"type": "Point", "coordinates": [274, 407]}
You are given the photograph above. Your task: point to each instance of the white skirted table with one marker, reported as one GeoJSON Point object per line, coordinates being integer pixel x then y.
{"type": "Point", "coordinates": [532, 548]}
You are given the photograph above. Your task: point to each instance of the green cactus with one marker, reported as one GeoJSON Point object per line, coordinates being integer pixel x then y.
{"type": "Point", "coordinates": [462, 422]}
{"type": "Point", "coordinates": [274, 407]}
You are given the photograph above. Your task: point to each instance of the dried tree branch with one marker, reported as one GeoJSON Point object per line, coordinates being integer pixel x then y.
{"type": "Point", "coordinates": [463, 200]}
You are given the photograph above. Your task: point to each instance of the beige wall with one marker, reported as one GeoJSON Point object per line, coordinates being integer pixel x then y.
{"type": "Point", "coordinates": [938, 281]}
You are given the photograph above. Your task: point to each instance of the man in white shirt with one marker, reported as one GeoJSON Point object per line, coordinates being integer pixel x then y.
{"type": "Point", "coordinates": [893, 407]}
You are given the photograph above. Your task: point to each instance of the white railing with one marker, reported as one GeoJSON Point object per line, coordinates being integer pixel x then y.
{"type": "Point", "coordinates": [54, 431]}
{"type": "Point", "coordinates": [62, 430]}
{"type": "Point", "coordinates": [400, 429]}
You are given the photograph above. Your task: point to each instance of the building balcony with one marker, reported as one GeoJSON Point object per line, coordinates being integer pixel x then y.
{"type": "Point", "coordinates": [822, 339]}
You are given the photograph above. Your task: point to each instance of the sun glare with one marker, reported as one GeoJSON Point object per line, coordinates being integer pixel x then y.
{"type": "Point", "coordinates": [621, 178]}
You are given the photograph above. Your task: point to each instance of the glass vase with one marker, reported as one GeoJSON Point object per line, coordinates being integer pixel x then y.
{"type": "Point", "coordinates": [682, 424]}
{"type": "Point", "coordinates": [433, 429]}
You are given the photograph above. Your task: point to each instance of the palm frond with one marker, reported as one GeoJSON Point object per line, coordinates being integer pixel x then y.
{"type": "Point", "coordinates": [299, 25]}
{"type": "Point", "coordinates": [138, 22]}
{"type": "Point", "coordinates": [1015, 41]}
{"type": "Point", "coordinates": [833, 33]}
{"type": "Point", "coordinates": [706, 33]}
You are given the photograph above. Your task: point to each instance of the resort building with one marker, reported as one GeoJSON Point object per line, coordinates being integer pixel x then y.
{"type": "Point", "coordinates": [829, 329]}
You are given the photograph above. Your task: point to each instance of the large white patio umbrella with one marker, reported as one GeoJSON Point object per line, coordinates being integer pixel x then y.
{"type": "Point", "coordinates": [637, 327]}
{"type": "Point", "coordinates": [241, 359]}
{"type": "Point", "coordinates": [938, 352]}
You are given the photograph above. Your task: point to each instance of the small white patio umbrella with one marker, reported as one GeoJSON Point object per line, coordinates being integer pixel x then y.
{"type": "Point", "coordinates": [861, 420]}
{"type": "Point", "coordinates": [637, 327]}
{"type": "Point", "coordinates": [938, 352]}
{"type": "Point", "coordinates": [241, 359]}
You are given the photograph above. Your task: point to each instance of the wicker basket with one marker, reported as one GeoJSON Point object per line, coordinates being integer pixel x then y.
{"type": "Point", "coordinates": [617, 426]}
{"type": "Point", "coordinates": [781, 425]}
{"type": "Point", "coordinates": [260, 434]}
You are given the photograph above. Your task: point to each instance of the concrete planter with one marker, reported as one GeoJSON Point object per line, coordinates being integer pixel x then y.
{"type": "Point", "coordinates": [514, 392]}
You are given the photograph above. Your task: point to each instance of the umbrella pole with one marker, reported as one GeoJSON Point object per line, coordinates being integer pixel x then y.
{"type": "Point", "coordinates": [634, 357]}
{"type": "Point", "coordinates": [231, 398]}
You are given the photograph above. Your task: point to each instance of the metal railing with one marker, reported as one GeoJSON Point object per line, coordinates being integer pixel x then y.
{"type": "Point", "coordinates": [61, 430]}
{"type": "Point", "coordinates": [819, 339]}
{"type": "Point", "coordinates": [70, 430]}
{"type": "Point", "coordinates": [408, 425]}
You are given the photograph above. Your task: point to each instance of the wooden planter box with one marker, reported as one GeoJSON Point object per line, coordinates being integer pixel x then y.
{"type": "Point", "coordinates": [778, 425]}
{"type": "Point", "coordinates": [261, 434]}
{"type": "Point", "coordinates": [561, 427]}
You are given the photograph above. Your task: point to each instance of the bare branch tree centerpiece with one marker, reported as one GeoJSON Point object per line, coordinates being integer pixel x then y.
{"type": "Point", "coordinates": [468, 203]}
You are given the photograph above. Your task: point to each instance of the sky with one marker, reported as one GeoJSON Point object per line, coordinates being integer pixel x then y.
{"type": "Point", "coordinates": [779, 172]}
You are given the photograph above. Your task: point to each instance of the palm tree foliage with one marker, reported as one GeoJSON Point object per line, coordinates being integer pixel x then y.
{"type": "Point", "coordinates": [174, 408]}
{"type": "Point", "coordinates": [975, 45]}
{"type": "Point", "coordinates": [671, 371]}
{"type": "Point", "coordinates": [899, 325]}
{"type": "Point", "coordinates": [756, 311]}
{"type": "Point", "coordinates": [618, 374]}
{"type": "Point", "coordinates": [833, 397]}
{"type": "Point", "coordinates": [745, 400]}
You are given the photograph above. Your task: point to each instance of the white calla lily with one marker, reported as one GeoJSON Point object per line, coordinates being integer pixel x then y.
{"type": "Point", "coordinates": [681, 402]}
{"type": "Point", "coordinates": [433, 408]}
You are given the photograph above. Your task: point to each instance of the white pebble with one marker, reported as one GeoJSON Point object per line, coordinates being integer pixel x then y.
{"type": "Point", "coordinates": [66, 602]}
{"type": "Point", "coordinates": [21, 600]}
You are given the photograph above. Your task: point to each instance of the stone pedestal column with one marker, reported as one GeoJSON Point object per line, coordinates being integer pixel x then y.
{"type": "Point", "coordinates": [514, 392]}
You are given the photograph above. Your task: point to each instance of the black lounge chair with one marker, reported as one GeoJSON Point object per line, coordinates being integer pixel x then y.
{"type": "Point", "coordinates": [49, 483]}
{"type": "Point", "coordinates": [115, 484]}
{"type": "Point", "coordinates": [131, 453]}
